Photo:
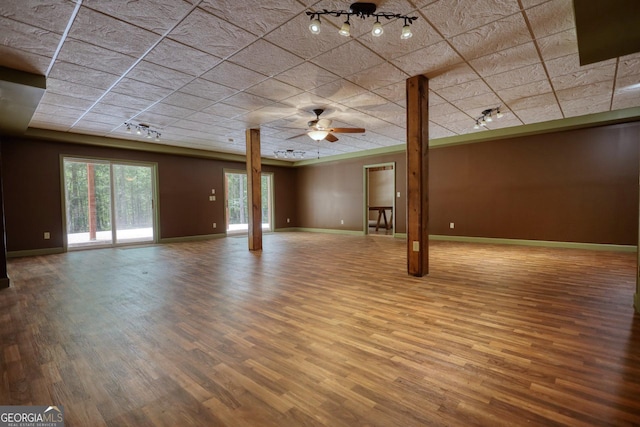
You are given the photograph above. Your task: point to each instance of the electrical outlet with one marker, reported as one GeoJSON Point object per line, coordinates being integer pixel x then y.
{"type": "Point", "coordinates": [452, 225]}
{"type": "Point", "coordinates": [47, 235]}
{"type": "Point", "coordinates": [416, 246]}
{"type": "Point", "coordinates": [212, 198]}
{"type": "Point", "coordinates": [288, 220]}
{"type": "Point", "coordinates": [398, 194]}
{"type": "Point", "coordinates": [342, 221]}
{"type": "Point", "coordinates": [214, 225]}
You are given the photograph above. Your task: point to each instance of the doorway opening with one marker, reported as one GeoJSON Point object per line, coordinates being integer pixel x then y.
{"type": "Point", "coordinates": [379, 199]}
{"type": "Point", "coordinates": [237, 205]}
{"type": "Point", "coordinates": [108, 203]}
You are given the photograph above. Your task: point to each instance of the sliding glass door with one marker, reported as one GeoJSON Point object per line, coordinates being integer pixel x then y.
{"type": "Point", "coordinates": [237, 210]}
{"type": "Point", "coordinates": [108, 203]}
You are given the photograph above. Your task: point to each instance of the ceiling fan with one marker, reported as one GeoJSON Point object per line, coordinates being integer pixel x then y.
{"type": "Point", "coordinates": [320, 129]}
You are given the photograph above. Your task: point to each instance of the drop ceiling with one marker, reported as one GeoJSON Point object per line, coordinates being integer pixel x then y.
{"type": "Point", "coordinates": [201, 72]}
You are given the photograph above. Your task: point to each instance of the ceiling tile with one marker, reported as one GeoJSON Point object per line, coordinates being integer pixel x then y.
{"type": "Point", "coordinates": [260, 57]}
{"type": "Point", "coordinates": [233, 76]}
{"type": "Point", "coordinates": [130, 102]}
{"type": "Point", "coordinates": [525, 91]}
{"type": "Point", "coordinates": [274, 90]}
{"type": "Point", "coordinates": [102, 30]}
{"type": "Point", "coordinates": [347, 59]}
{"type": "Point", "coordinates": [28, 38]}
{"type": "Point", "coordinates": [247, 101]}
{"type": "Point", "coordinates": [185, 100]}
{"type": "Point", "coordinates": [452, 17]}
{"type": "Point", "coordinates": [160, 76]}
{"type": "Point", "coordinates": [536, 101]}
{"type": "Point", "coordinates": [140, 89]}
{"type": "Point", "coordinates": [177, 56]}
{"type": "Point", "coordinates": [455, 75]}
{"type": "Point", "coordinates": [259, 18]}
{"type": "Point", "coordinates": [209, 90]}
{"type": "Point", "coordinates": [476, 104]}
{"type": "Point", "coordinates": [496, 36]}
{"type": "Point", "coordinates": [224, 110]}
{"type": "Point", "coordinates": [306, 76]}
{"type": "Point", "coordinates": [198, 31]}
{"type": "Point", "coordinates": [436, 131]}
{"type": "Point", "coordinates": [506, 60]}
{"type": "Point", "coordinates": [629, 65]}
{"type": "Point", "coordinates": [382, 75]}
{"type": "Point", "coordinates": [551, 17]}
{"type": "Point", "coordinates": [82, 75]}
{"type": "Point", "coordinates": [63, 87]}
{"type": "Point", "coordinates": [338, 90]}
{"type": "Point", "coordinates": [96, 57]}
{"type": "Point", "coordinates": [55, 108]}
{"type": "Point", "coordinates": [52, 15]}
{"type": "Point", "coordinates": [627, 94]}
{"type": "Point", "coordinates": [581, 107]}
{"type": "Point", "coordinates": [154, 120]}
{"type": "Point", "coordinates": [395, 92]}
{"type": "Point", "coordinates": [428, 60]}
{"type": "Point", "coordinates": [153, 15]}
{"type": "Point", "coordinates": [571, 64]}
{"type": "Point", "coordinates": [517, 77]}
{"type": "Point", "coordinates": [589, 91]}
{"type": "Point", "coordinates": [585, 77]}
{"type": "Point", "coordinates": [464, 90]}
{"type": "Point", "coordinates": [559, 44]}
{"type": "Point", "coordinates": [169, 110]}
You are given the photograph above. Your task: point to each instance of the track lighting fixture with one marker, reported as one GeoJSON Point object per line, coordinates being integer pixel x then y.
{"type": "Point", "coordinates": [289, 154]}
{"type": "Point", "coordinates": [487, 117]}
{"type": "Point", "coordinates": [362, 10]}
{"type": "Point", "coordinates": [142, 127]}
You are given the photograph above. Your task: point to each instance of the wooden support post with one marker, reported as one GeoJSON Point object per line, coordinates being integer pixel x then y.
{"type": "Point", "coordinates": [417, 176]}
{"type": "Point", "coordinates": [636, 296]}
{"type": "Point", "coordinates": [4, 277]}
{"type": "Point", "coordinates": [254, 189]}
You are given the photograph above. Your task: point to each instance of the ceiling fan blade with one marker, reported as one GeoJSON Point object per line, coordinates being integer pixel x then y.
{"type": "Point", "coordinates": [331, 138]}
{"type": "Point", "coordinates": [297, 136]}
{"type": "Point", "coordinates": [347, 130]}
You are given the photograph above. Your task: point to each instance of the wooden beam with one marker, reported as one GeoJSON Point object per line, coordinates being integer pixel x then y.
{"type": "Point", "coordinates": [4, 277]}
{"type": "Point", "coordinates": [417, 176]}
{"type": "Point", "coordinates": [254, 189]}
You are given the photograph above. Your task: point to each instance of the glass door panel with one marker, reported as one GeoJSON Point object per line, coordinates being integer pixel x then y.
{"type": "Point", "coordinates": [237, 209]}
{"type": "Point", "coordinates": [133, 203]}
{"type": "Point", "coordinates": [88, 203]}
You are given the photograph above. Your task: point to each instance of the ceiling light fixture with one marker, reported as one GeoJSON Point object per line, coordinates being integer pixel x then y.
{"type": "Point", "coordinates": [487, 117]}
{"type": "Point", "coordinates": [318, 135]}
{"type": "Point", "coordinates": [142, 127]}
{"type": "Point", "coordinates": [362, 10]}
{"type": "Point", "coordinates": [289, 154]}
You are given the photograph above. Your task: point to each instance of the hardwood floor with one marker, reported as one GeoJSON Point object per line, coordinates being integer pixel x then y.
{"type": "Point", "coordinates": [323, 330]}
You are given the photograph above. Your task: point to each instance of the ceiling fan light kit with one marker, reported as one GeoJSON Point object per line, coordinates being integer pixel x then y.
{"type": "Point", "coordinates": [320, 129]}
{"type": "Point", "coordinates": [363, 11]}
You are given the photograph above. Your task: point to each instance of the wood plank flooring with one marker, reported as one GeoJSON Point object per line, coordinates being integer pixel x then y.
{"type": "Point", "coordinates": [323, 330]}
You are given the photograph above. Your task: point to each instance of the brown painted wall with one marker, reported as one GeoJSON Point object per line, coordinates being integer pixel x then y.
{"type": "Point", "coordinates": [334, 191]}
{"type": "Point", "coordinates": [31, 172]}
{"type": "Point", "coordinates": [573, 186]}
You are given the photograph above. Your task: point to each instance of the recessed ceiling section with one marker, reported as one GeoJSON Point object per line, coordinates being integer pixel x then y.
{"type": "Point", "coordinates": [607, 29]}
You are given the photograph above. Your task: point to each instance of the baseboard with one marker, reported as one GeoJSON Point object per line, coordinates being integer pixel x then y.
{"type": "Point", "coordinates": [542, 243]}
{"type": "Point", "coordinates": [34, 252]}
{"type": "Point", "coordinates": [192, 238]}
{"type": "Point", "coordinates": [324, 230]}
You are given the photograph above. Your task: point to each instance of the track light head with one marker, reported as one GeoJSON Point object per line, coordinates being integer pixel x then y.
{"type": "Point", "coordinates": [377, 29]}
{"type": "Point", "coordinates": [314, 26]}
{"type": "Point", "coordinates": [345, 30]}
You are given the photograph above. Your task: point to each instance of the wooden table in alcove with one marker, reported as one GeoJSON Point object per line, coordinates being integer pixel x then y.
{"type": "Point", "coordinates": [382, 214]}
